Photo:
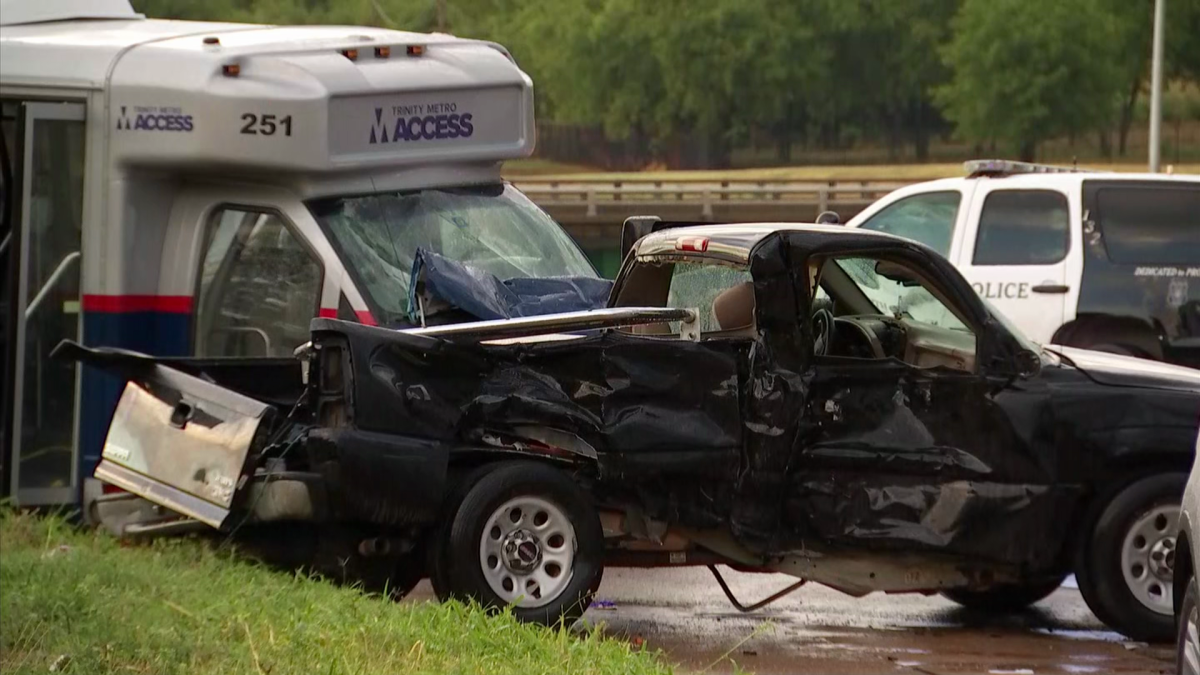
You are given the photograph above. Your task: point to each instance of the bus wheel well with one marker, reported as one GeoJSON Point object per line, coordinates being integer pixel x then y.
{"type": "Point", "coordinates": [1111, 333]}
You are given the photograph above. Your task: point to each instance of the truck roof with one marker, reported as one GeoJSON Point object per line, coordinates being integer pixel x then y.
{"type": "Point", "coordinates": [733, 243]}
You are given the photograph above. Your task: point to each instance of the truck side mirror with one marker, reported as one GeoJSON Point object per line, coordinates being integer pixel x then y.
{"type": "Point", "coordinates": [634, 228]}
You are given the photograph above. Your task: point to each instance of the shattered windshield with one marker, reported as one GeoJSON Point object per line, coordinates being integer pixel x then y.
{"type": "Point", "coordinates": [490, 227]}
{"type": "Point", "coordinates": [899, 298]}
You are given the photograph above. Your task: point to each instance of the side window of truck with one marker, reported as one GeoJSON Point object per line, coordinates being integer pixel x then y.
{"type": "Point", "coordinates": [259, 287]}
{"type": "Point", "coordinates": [928, 218]}
{"type": "Point", "coordinates": [1023, 227]}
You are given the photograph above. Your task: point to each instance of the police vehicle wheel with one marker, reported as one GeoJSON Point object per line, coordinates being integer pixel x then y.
{"type": "Point", "coordinates": [1005, 598]}
{"type": "Point", "coordinates": [1119, 349]}
{"type": "Point", "coordinates": [526, 537]}
{"type": "Point", "coordinates": [1126, 578]}
{"type": "Point", "coordinates": [1188, 640]}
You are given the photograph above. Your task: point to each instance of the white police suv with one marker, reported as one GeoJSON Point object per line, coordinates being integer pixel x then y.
{"type": "Point", "coordinates": [1104, 261]}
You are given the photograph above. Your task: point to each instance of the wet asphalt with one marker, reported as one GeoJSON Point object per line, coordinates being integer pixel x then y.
{"type": "Point", "coordinates": [818, 630]}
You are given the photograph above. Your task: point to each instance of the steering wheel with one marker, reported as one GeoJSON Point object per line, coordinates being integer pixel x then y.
{"type": "Point", "coordinates": [822, 325]}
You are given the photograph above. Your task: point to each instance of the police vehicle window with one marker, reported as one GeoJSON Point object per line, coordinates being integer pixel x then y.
{"type": "Point", "coordinates": [259, 287]}
{"type": "Point", "coordinates": [928, 218]}
{"type": "Point", "coordinates": [493, 228]}
{"type": "Point", "coordinates": [1023, 227]}
{"type": "Point", "coordinates": [1143, 225]}
{"type": "Point", "coordinates": [723, 295]}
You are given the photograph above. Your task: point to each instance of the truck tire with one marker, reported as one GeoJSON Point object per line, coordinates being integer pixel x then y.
{"type": "Point", "coordinates": [439, 535]}
{"type": "Point", "coordinates": [526, 537]}
{"type": "Point", "coordinates": [1005, 598]}
{"type": "Point", "coordinates": [1125, 573]}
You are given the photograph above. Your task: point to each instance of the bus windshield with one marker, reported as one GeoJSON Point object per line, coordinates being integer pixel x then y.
{"type": "Point", "coordinates": [491, 227]}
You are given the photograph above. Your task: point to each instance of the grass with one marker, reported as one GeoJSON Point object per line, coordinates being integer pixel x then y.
{"type": "Point", "coordinates": [544, 170]}
{"type": "Point", "coordinates": [81, 602]}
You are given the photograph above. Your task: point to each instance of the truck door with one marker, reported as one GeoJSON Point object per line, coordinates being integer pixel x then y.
{"type": "Point", "coordinates": [44, 251]}
{"type": "Point", "coordinates": [1017, 254]}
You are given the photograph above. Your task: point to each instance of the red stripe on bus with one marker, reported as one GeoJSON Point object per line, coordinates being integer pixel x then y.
{"type": "Point", "coordinates": [327, 313]}
{"type": "Point", "coordinates": [365, 318]}
{"type": "Point", "coordinates": [175, 304]}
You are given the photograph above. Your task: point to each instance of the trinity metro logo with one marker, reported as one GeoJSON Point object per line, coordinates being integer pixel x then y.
{"type": "Point", "coordinates": [420, 122]}
{"type": "Point", "coordinates": [153, 118]}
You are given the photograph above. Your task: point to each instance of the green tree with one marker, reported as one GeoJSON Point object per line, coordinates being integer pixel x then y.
{"type": "Point", "coordinates": [1024, 71]}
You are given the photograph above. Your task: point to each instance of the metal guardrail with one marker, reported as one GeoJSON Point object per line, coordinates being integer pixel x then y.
{"type": "Point", "coordinates": [703, 194]}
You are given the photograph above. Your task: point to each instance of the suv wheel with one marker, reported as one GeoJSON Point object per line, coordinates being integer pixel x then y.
{"type": "Point", "coordinates": [1125, 574]}
{"type": "Point", "coordinates": [526, 537]}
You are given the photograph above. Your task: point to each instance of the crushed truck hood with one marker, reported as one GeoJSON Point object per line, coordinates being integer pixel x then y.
{"type": "Point", "coordinates": [1127, 371]}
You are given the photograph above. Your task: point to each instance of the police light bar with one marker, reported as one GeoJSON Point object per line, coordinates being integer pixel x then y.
{"type": "Point", "coordinates": [1004, 167]}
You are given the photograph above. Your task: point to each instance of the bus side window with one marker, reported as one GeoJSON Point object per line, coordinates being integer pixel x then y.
{"type": "Point", "coordinates": [259, 287]}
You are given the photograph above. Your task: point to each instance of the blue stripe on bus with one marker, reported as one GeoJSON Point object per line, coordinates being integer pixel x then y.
{"type": "Point", "coordinates": [150, 332]}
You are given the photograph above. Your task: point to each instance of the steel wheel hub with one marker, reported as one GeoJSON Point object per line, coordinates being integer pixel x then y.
{"type": "Point", "coordinates": [522, 551]}
{"type": "Point", "coordinates": [1148, 558]}
{"type": "Point", "coordinates": [527, 551]}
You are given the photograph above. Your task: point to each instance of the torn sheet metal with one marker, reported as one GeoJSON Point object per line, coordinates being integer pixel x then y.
{"type": "Point", "coordinates": [785, 449]}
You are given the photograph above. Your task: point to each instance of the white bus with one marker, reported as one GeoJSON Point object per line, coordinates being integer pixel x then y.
{"type": "Point", "coordinates": [206, 189]}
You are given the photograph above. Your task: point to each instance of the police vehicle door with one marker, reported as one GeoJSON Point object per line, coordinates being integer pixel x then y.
{"type": "Point", "coordinates": [1017, 255]}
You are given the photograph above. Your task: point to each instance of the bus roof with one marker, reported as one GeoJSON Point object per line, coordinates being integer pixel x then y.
{"type": "Point", "coordinates": [271, 98]}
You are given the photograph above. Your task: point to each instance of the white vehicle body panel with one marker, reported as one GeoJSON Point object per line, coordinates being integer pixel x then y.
{"type": "Point", "coordinates": [1010, 287]}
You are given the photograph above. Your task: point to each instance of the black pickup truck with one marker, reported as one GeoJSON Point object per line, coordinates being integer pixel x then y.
{"type": "Point", "coordinates": [837, 405]}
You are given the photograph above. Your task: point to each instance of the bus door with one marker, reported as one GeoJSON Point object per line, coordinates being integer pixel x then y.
{"type": "Point", "coordinates": [43, 261]}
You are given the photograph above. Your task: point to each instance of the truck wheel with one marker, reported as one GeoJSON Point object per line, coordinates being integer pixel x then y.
{"type": "Point", "coordinates": [439, 536]}
{"type": "Point", "coordinates": [1188, 641]}
{"type": "Point", "coordinates": [1127, 565]}
{"type": "Point", "coordinates": [1005, 598]}
{"type": "Point", "coordinates": [526, 536]}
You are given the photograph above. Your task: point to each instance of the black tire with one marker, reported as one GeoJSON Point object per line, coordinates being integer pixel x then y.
{"type": "Point", "coordinates": [439, 535]}
{"type": "Point", "coordinates": [1101, 580]}
{"type": "Point", "coordinates": [1005, 598]}
{"type": "Point", "coordinates": [1190, 664]}
{"type": "Point", "coordinates": [465, 576]}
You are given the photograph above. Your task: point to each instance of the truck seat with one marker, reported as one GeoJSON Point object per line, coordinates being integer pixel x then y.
{"type": "Point", "coordinates": [734, 310]}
